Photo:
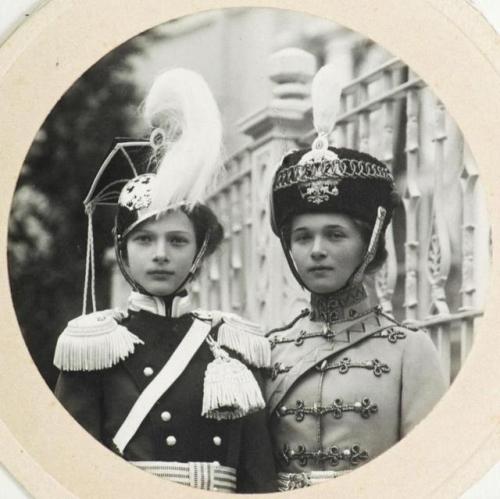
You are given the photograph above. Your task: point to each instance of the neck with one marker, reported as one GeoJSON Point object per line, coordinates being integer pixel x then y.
{"type": "Point", "coordinates": [345, 304]}
{"type": "Point", "coordinates": [166, 306]}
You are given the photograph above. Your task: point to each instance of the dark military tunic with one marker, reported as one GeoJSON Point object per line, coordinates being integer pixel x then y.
{"type": "Point", "coordinates": [174, 430]}
{"type": "Point", "coordinates": [342, 393]}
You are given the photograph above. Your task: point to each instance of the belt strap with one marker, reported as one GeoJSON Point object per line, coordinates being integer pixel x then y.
{"type": "Point", "coordinates": [291, 481]}
{"type": "Point", "coordinates": [206, 476]}
{"type": "Point", "coordinates": [161, 382]}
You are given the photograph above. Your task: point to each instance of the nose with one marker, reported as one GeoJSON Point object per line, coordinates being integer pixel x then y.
{"type": "Point", "coordinates": [317, 250]}
{"type": "Point", "coordinates": [160, 253]}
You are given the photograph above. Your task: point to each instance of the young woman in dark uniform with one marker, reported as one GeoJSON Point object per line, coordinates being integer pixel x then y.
{"type": "Point", "coordinates": [175, 391]}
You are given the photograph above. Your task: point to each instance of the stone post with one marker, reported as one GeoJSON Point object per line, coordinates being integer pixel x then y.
{"type": "Point", "coordinates": [274, 130]}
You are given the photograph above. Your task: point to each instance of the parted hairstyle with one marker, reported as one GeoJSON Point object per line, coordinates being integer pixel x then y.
{"type": "Point", "coordinates": [204, 221]}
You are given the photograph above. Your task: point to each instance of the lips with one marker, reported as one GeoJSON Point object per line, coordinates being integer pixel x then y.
{"type": "Point", "coordinates": [160, 273]}
{"type": "Point", "coordinates": [319, 268]}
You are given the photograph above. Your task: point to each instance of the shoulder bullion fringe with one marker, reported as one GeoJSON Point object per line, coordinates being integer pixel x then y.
{"type": "Point", "coordinates": [230, 390]}
{"type": "Point", "coordinates": [243, 337]}
{"type": "Point", "coordinates": [92, 342]}
{"type": "Point", "coordinates": [246, 339]}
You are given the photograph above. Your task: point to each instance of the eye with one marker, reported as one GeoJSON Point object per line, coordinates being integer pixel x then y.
{"type": "Point", "coordinates": [335, 234]}
{"type": "Point", "coordinates": [179, 240]}
{"type": "Point", "coordinates": [143, 238]}
{"type": "Point", "coordinates": [301, 237]}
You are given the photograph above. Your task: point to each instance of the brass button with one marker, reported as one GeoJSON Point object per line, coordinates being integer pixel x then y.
{"type": "Point", "coordinates": [217, 440]}
{"type": "Point", "coordinates": [166, 416]}
{"type": "Point", "coordinates": [171, 440]}
{"type": "Point", "coordinates": [148, 371]}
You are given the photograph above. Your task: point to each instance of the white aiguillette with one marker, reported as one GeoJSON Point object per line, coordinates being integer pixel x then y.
{"type": "Point", "coordinates": [94, 341]}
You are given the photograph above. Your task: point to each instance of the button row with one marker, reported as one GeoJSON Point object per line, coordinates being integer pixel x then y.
{"type": "Point", "coordinates": [171, 440]}
{"type": "Point", "coordinates": [166, 416]}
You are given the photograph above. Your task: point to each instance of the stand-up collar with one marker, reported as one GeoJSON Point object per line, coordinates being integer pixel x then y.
{"type": "Point", "coordinates": [345, 304]}
{"type": "Point", "coordinates": [169, 306]}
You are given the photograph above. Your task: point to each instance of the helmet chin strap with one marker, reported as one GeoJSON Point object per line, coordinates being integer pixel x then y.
{"type": "Point", "coordinates": [137, 287]}
{"type": "Point", "coordinates": [359, 273]}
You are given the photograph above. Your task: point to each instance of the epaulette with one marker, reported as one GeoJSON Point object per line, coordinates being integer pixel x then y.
{"type": "Point", "coordinates": [402, 325]}
{"type": "Point", "coordinates": [303, 313]}
{"type": "Point", "coordinates": [94, 341]}
{"type": "Point", "coordinates": [239, 335]}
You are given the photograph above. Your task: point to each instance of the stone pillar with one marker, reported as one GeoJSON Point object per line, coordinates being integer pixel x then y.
{"type": "Point", "coordinates": [274, 130]}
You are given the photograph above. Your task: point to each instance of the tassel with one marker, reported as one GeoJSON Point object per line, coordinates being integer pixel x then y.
{"type": "Point", "coordinates": [245, 339]}
{"type": "Point", "coordinates": [92, 342]}
{"type": "Point", "coordinates": [230, 390]}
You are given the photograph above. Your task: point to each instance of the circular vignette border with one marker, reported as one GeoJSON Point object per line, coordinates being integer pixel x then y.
{"type": "Point", "coordinates": [450, 46]}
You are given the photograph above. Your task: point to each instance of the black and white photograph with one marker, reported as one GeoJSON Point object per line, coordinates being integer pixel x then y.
{"type": "Point", "coordinates": [248, 249]}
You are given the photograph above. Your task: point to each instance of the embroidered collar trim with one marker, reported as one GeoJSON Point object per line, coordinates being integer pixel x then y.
{"type": "Point", "coordinates": [342, 305]}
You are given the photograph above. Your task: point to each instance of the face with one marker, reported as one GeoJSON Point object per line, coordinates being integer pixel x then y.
{"type": "Point", "coordinates": [160, 253]}
{"type": "Point", "coordinates": [327, 248]}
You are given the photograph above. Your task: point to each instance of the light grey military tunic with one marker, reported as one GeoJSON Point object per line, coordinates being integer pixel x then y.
{"type": "Point", "coordinates": [340, 395]}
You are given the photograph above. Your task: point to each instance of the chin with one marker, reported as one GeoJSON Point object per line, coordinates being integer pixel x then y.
{"type": "Point", "coordinates": [323, 288]}
{"type": "Point", "coordinates": [323, 291]}
{"type": "Point", "coordinates": [159, 290]}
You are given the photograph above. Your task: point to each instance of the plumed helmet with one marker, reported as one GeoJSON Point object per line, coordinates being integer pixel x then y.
{"type": "Point", "coordinates": [338, 180]}
{"type": "Point", "coordinates": [172, 169]}
{"type": "Point", "coordinates": [326, 179]}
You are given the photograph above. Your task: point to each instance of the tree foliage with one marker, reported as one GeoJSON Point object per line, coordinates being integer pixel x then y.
{"type": "Point", "coordinates": [48, 226]}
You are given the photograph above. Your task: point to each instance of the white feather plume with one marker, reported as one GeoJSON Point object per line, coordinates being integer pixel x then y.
{"type": "Point", "coordinates": [325, 96]}
{"type": "Point", "coordinates": [182, 105]}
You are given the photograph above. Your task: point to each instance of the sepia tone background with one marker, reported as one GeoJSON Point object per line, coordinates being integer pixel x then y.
{"type": "Point", "coordinates": [474, 363]}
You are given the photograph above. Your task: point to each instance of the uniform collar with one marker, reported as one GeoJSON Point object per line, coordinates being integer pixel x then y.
{"type": "Point", "coordinates": [346, 304]}
{"type": "Point", "coordinates": [169, 306]}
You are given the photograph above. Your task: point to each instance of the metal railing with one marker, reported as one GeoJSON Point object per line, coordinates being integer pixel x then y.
{"type": "Point", "coordinates": [437, 242]}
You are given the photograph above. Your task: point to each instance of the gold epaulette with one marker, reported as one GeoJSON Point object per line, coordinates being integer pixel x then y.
{"type": "Point", "coordinates": [94, 341]}
{"type": "Point", "coordinates": [239, 335]}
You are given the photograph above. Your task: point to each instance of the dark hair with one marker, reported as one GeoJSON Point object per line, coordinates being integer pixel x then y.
{"type": "Point", "coordinates": [205, 221]}
{"type": "Point", "coordinates": [365, 230]}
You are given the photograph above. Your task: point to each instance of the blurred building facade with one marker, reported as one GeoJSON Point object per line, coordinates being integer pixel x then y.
{"type": "Point", "coordinates": [259, 64]}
